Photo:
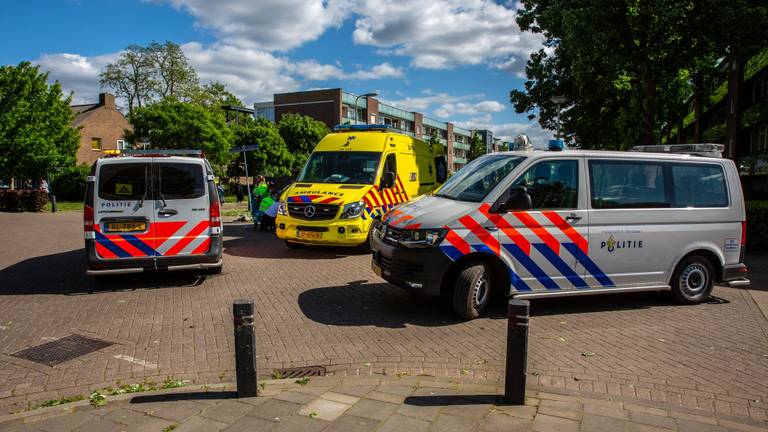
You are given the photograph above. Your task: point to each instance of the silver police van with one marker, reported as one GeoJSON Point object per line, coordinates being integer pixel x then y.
{"type": "Point", "coordinates": [536, 224]}
{"type": "Point", "coordinates": [152, 210]}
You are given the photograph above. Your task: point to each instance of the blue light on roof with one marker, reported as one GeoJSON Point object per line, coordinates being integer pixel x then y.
{"type": "Point", "coordinates": [361, 127]}
{"type": "Point", "coordinates": [556, 145]}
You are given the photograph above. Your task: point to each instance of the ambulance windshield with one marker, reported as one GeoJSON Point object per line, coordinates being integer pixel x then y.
{"type": "Point", "coordinates": [477, 178]}
{"type": "Point", "coordinates": [341, 167]}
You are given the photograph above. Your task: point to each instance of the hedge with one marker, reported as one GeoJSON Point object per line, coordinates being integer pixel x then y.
{"type": "Point", "coordinates": [69, 184]}
{"type": "Point", "coordinates": [22, 200]}
{"type": "Point", "coordinates": [757, 225]}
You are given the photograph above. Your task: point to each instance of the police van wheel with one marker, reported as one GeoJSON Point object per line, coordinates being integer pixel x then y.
{"type": "Point", "coordinates": [472, 292]}
{"type": "Point", "coordinates": [292, 245]}
{"type": "Point", "coordinates": [692, 280]}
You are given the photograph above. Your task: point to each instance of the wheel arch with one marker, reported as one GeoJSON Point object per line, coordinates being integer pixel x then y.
{"type": "Point", "coordinates": [500, 272]}
{"type": "Point", "coordinates": [707, 252]}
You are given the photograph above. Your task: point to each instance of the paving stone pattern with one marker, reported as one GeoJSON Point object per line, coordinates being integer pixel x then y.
{"type": "Point", "coordinates": [358, 404]}
{"type": "Point", "coordinates": [325, 307]}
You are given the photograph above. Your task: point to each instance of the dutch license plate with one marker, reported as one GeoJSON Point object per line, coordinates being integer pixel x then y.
{"type": "Point", "coordinates": [126, 226]}
{"type": "Point", "coordinates": [309, 235]}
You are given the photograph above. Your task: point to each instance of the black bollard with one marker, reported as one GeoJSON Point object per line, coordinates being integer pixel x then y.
{"type": "Point", "coordinates": [53, 203]}
{"type": "Point", "coordinates": [245, 348]}
{"type": "Point", "coordinates": [517, 351]}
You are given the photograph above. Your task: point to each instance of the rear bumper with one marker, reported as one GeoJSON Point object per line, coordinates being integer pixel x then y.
{"type": "Point", "coordinates": [735, 275]}
{"type": "Point", "coordinates": [419, 270]}
{"type": "Point", "coordinates": [98, 266]}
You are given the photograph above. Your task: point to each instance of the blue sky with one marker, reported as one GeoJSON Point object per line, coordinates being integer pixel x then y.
{"type": "Point", "coordinates": [452, 60]}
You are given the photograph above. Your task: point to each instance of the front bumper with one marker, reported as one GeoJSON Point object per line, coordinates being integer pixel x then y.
{"type": "Point", "coordinates": [735, 275]}
{"type": "Point", "coordinates": [98, 266]}
{"type": "Point", "coordinates": [419, 270]}
{"type": "Point", "coordinates": [336, 232]}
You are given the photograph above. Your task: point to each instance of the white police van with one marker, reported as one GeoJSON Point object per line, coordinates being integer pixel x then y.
{"type": "Point", "coordinates": [152, 210]}
{"type": "Point", "coordinates": [560, 223]}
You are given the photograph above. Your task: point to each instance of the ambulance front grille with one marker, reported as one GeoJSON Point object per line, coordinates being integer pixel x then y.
{"type": "Point", "coordinates": [321, 211]}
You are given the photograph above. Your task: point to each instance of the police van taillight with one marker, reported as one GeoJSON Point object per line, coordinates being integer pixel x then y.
{"type": "Point", "coordinates": [88, 221]}
{"type": "Point", "coordinates": [743, 239]}
{"type": "Point", "coordinates": [215, 213]}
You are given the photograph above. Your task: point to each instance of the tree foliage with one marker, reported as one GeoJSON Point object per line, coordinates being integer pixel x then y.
{"type": "Point", "coordinates": [301, 134]}
{"type": "Point", "coordinates": [35, 118]}
{"type": "Point", "coordinates": [213, 96]}
{"type": "Point", "coordinates": [171, 124]}
{"type": "Point", "coordinates": [173, 76]}
{"type": "Point", "coordinates": [272, 158]}
{"type": "Point", "coordinates": [627, 68]}
{"type": "Point", "coordinates": [476, 147]}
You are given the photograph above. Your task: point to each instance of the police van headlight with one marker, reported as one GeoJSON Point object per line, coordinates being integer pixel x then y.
{"type": "Point", "coordinates": [282, 208]}
{"type": "Point", "coordinates": [352, 210]}
{"type": "Point", "coordinates": [422, 237]}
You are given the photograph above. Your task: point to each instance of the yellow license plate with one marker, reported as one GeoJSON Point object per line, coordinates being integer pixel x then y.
{"type": "Point", "coordinates": [309, 235]}
{"type": "Point", "coordinates": [126, 226]}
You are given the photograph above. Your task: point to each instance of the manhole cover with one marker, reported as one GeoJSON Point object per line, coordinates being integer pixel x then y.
{"type": "Point", "coordinates": [61, 350]}
{"type": "Point", "coordinates": [299, 372]}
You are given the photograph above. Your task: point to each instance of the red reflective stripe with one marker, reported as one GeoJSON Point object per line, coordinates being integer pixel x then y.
{"type": "Point", "coordinates": [125, 245]}
{"type": "Point", "coordinates": [374, 196]}
{"type": "Point", "coordinates": [402, 188]}
{"type": "Point", "coordinates": [391, 196]}
{"type": "Point", "coordinates": [161, 231]}
{"type": "Point", "coordinates": [104, 252]}
{"type": "Point", "coordinates": [203, 248]}
{"type": "Point", "coordinates": [539, 230]}
{"type": "Point", "coordinates": [401, 220]}
{"type": "Point", "coordinates": [507, 229]}
{"type": "Point", "coordinates": [313, 197]}
{"type": "Point", "coordinates": [481, 233]}
{"type": "Point", "coordinates": [457, 242]}
{"type": "Point", "coordinates": [367, 203]}
{"type": "Point", "coordinates": [383, 197]}
{"type": "Point", "coordinates": [412, 226]}
{"type": "Point", "coordinates": [568, 230]}
{"type": "Point", "coordinates": [392, 214]}
{"type": "Point", "coordinates": [187, 239]}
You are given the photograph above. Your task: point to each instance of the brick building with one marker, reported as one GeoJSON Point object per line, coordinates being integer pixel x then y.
{"type": "Point", "coordinates": [101, 128]}
{"type": "Point", "coordinates": [335, 106]}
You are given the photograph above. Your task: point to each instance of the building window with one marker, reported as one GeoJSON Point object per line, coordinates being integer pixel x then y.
{"type": "Point", "coordinates": [759, 140]}
{"type": "Point", "coordinates": [95, 143]}
{"type": "Point", "coordinates": [760, 91]}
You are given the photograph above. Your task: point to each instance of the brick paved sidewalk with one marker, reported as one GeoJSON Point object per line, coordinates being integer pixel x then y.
{"type": "Point", "coordinates": [367, 404]}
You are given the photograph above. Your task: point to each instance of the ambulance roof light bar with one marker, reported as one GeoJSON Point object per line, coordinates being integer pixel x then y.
{"type": "Point", "coordinates": [702, 149]}
{"type": "Point", "coordinates": [163, 152]}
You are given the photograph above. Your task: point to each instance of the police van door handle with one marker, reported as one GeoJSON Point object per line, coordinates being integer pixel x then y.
{"type": "Point", "coordinates": [572, 218]}
{"type": "Point", "coordinates": [491, 228]}
{"type": "Point", "coordinates": [167, 212]}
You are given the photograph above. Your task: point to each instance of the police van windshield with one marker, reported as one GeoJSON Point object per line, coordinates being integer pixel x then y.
{"type": "Point", "coordinates": [474, 181]}
{"type": "Point", "coordinates": [341, 167]}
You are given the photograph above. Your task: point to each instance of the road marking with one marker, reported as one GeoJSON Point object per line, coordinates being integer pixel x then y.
{"type": "Point", "coordinates": [134, 360]}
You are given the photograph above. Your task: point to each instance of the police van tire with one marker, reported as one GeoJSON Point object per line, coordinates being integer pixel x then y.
{"type": "Point", "coordinates": [292, 245]}
{"type": "Point", "coordinates": [692, 280]}
{"type": "Point", "coordinates": [472, 291]}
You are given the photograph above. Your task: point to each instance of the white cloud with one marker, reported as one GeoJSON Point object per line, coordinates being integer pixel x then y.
{"type": "Point", "coordinates": [76, 73]}
{"type": "Point", "coordinates": [383, 70]}
{"type": "Point", "coordinates": [440, 34]}
{"type": "Point", "coordinates": [266, 24]}
{"type": "Point", "coordinates": [314, 71]}
{"type": "Point", "coordinates": [508, 131]}
{"type": "Point", "coordinates": [446, 106]}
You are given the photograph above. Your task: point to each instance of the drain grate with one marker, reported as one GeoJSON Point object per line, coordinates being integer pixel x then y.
{"type": "Point", "coordinates": [299, 372]}
{"type": "Point", "coordinates": [61, 350]}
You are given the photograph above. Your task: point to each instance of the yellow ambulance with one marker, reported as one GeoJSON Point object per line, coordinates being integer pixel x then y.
{"type": "Point", "coordinates": [356, 174]}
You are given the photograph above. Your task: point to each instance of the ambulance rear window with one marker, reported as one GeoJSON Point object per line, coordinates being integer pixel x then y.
{"type": "Point", "coordinates": [123, 182]}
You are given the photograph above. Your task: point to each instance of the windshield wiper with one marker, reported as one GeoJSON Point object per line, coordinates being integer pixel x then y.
{"type": "Point", "coordinates": [445, 196]}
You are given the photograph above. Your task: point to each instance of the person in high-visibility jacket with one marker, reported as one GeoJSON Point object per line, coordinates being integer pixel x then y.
{"type": "Point", "coordinates": [260, 191]}
{"type": "Point", "coordinates": [266, 203]}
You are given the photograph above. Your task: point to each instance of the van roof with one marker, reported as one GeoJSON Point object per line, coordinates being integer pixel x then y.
{"type": "Point", "coordinates": [610, 154]}
{"type": "Point", "coordinates": [123, 159]}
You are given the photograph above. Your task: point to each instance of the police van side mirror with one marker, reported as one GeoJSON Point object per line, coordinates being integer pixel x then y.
{"type": "Point", "coordinates": [518, 199]}
{"type": "Point", "coordinates": [387, 180]}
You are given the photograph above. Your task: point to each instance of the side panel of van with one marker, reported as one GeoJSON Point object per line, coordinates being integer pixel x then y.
{"type": "Point", "coordinates": [645, 215]}
{"type": "Point", "coordinates": [123, 215]}
{"type": "Point", "coordinates": [181, 209]}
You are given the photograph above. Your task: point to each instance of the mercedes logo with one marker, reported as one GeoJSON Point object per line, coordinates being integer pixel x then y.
{"type": "Point", "coordinates": [309, 211]}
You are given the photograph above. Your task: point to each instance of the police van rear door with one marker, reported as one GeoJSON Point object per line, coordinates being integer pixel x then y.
{"type": "Point", "coordinates": [123, 209]}
{"type": "Point", "coordinates": [181, 207]}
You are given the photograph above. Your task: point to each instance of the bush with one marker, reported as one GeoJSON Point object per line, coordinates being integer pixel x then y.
{"type": "Point", "coordinates": [757, 225]}
{"type": "Point", "coordinates": [69, 184]}
{"type": "Point", "coordinates": [22, 200]}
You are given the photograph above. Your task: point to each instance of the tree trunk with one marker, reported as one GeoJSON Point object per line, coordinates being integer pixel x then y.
{"type": "Point", "coordinates": [648, 114]}
{"type": "Point", "coordinates": [698, 129]}
{"type": "Point", "coordinates": [733, 122]}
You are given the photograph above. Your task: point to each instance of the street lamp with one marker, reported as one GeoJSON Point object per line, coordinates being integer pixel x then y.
{"type": "Point", "coordinates": [366, 95]}
{"type": "Point", "coordinates": [558, 100]}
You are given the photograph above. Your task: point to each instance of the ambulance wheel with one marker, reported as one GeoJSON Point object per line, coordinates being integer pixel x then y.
{"type": "Point", "coordinates": [692, 280]}
{"type": "Point", "coordinates": [292, 245]}
{"type": "Point", "coordinates": [472, 292]}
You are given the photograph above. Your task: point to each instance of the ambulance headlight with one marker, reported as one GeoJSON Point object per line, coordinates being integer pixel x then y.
{"type": "Point", "coordinates": [422, 237]}
{"type": "Point", "coordinates": [352, 210]}
{"type": "Point", "coordinates": [282, 208]}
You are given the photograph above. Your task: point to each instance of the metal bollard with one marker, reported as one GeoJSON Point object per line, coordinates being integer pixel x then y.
{"type": "Point", "coordinates": [53, 203]}
{"type": "Point", "coordinates": [245, 348]}
{"type": "Point", "coordinates": [517, 351]}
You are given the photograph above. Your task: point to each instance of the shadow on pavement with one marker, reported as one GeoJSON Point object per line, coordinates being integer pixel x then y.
{"type": "Point", "coordinates": [64, 273]}
{"type": "Point", "coordinates": [451, 400]}
{"type": "Point", "coordinates": [189, 396]}
{"type": "Point", "coordinates": [245, 241]}
{"type": "Point", "coordinates": [608, 302]}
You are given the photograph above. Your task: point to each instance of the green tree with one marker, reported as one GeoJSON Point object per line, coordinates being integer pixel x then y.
{"type": "Point", "coordinates": [171, 124]}
{"type": "Point", "coordinates": [272, 158]}
{"type": "Point", "coordinates": [35, 131]}
{"type": "Point", "coordinates": [476, 147]}
{"type": "Point", "coordinates": [173, 76]}
{"type": "Point", "coordinates": [213, 96]}
{"type": "Point", "coordinates": [131, 77]}
{"type": "Point", "coordinates": [301, 134]}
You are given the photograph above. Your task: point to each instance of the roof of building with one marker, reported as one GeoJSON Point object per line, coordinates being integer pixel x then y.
{"type": "Point", "coordinates": [82, 112]}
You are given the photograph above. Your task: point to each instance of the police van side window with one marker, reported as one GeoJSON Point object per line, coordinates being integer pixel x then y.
{"type": "Point", "coordinates": [552, 184]}
{"type": "Point", "coordinates": [699, 185]}
{"type": "Point", "coordinates": [628, 184]}
{"type": "Point", "coordinates": [123, 182]}
{"type": "Point", "coordinates": [180, 180]}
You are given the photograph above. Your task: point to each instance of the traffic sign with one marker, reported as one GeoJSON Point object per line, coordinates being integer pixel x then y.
{"type": "Point", "coordinates": [244, 148]}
